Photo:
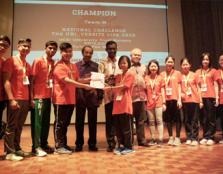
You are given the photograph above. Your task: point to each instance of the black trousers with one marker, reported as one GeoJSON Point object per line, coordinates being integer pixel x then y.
{"type": "Point", "coordinates": [92, 124]}
{"type": "Point", "coordinates": [139, 115]}
{"type": "Point", "coordinates": [15, 121]}
{"type": "Point", "coordinates": [220, 115]}
{"type": "Point", "coordinates": [208, 118]}
{"type": "Point", "coordinates": [2, 107]}
{"type": "Point", "coordinates": [172, 115]}
{"type": "Point", "coordinates": [191, 115]}
{"type": "Point", "coordinates": [123, 129]}
{"type": "Point", "coordinates": [63, 114]}
{"type": "Point", "coordinates": [110, 125]}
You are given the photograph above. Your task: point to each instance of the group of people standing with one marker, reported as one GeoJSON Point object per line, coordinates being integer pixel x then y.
{"type": "Point", "coordinates": [132, 92]}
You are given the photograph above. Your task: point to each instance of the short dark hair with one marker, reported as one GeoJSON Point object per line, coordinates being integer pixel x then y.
{"type": "Point", "coordinates": [183, 59]}
{"type": "Point", "coordinates": [110, 42]}
{"type": "Point", "coordinates": [156, 62]}
{"type": "Point", "coordinates": [127, 59]}
{"type": "Point", "coordinates": [168, 57]}
{"type": "Point", "coordinates": [22, 41]}
{"type": "Point", "coordinates": [86, 46]}
{"type": "Point", "coordinates": [64, 46]}
{"type": "Point", "coordinates": [209, 57]}
{"type": "Point", "coordinates": [52, 43]}
{"type": "Point", "coordinates": [5, 39]}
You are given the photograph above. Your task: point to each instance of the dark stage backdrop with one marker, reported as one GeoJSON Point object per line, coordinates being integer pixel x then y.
{"type": "Point", "coordinates": [203, 29]}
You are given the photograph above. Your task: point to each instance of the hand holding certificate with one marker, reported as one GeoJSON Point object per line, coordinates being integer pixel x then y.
{"type": "Point", "coordinates": [97, 80]}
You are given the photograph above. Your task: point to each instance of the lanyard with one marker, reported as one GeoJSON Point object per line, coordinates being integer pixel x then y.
{"type": "Point", "coordinates": [153, 82]}
{"type": "Point", "coordinates": [113, 68]}
{"type": "Point", "coordinates": [204, 74]}
{"type": "Point", "coordinates": [167, 78]}
{"type": "Point", "coordinates": [23, 65]}
{"type": "Point", "coordinates": [70, 73]}
{"type": "Point", "coordinates": [49, 66]}
{"type": "Point", "coordinates": [186, 79]}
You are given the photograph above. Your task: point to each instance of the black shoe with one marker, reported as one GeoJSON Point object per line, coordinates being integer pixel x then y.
{"type": "Point", "coordinates": [143, 144]}
{"type": "Point", "coordinates": [78, 148]}
{"type": "Point", "coordinates": [69, 148]}
{"type": "Point", "coordinates": [23, 153]}
{"type": "Point", "coordinates": [93, 148]}
{"type": "Point", "coordinates": [48, 149]}
{"type": "Point", "coordinates": [110, 149]}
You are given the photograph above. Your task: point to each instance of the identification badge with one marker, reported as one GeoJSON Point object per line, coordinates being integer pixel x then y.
{"type": "Point", "coordinates": [169, 91]}
{"type": "Point", "coordinates": [153, 95]}
{"type": "Point", "coordinates": [118, 97]}
{"type": "Point", "coordinates": [203, 87]}
{"type": "Point", "coordinates": [189, 91]}
{"type": "Point", "coordinates": [25, 80]}
{"type": "Point", "coordinates": [50, 83]}
{"type": "Point", "coordinates": [221, 88]}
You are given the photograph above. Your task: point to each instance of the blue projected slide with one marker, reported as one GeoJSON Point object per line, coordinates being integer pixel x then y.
{"type": "Point", "coordinates": [131, 25]}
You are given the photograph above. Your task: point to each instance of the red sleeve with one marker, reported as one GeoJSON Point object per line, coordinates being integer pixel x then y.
{"type": "Point", "coordinates": [8, 65]}
{"type": "Point", "coordinates": [60, 72]}
{"type": "Point", "coordinates": [129, 80]}
{"type": "Point", "coordinates": [196, 78]}
{"type": "Point", "coordinates": [162, 82]}
{"type": "Point", "coordinates": [146, 80]}
{"type": "Point", "coordinates": [214, 74]}
{"type": "Point", "coordinates": [179, 77]}
{"type": "Point", "coordinates": [76, 72]}
{"type": "Point", "coordinates": [117, 79]}
{"type": "Point", "coordinates": [217, 75]}
{"type": "Point", "coordinates": [35, 67]}
{"type": "Point", "coordinates": [28, 69]}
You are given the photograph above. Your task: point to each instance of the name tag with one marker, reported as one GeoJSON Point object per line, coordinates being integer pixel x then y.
{"type": "Point", "coordinates": [50, 83]}
{"type": "Point", "coordinates": [204, 87]}
{"type": "Point", "coordinates": [118, 98]}
{"type": "Point", "coordinates": [153, 95]}
{"type": "Point", "coordinates": [25, 80]}
{"type": "Point", "coordinates": [169, 91]}
{"type": "Point", "coordinates": [189, 91]}
{"type": "Point", "coordinates": [221, 88]}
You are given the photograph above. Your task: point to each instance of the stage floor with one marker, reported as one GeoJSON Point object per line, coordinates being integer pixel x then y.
{"type": "Point", "coordinates": [151, 160]}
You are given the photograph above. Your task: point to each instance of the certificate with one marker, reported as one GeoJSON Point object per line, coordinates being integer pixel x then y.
{"type": "Point", "coordinates": [97, 80]}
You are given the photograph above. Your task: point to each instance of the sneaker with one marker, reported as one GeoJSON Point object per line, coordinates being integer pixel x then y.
{"type": "Point", "coordinates": [22, 153]}
{"type": "Point", "coordinates": [188, 142]}
{"type": "Point", "coordinates": [177, 141]}
{"type": "Point", "coordinates": [40, 152]}
{"type": "Point", "coordinates": [117, 151]}
{"type": "Point", "coordinates": [69, 148]}
{"type": "Point", "coordinates": [203, 141]}
{"type": "Point", "coordinates": [48, 149]}
{"type": "Point", "coordinates": [171, 141]}
{"type": "Point", "coordinates": [210, 142]}
{"type": "Point", "coordinates": [127, 151]}
{"type": "Point", "coordinates": [194, 143]}
{"type": "Point", "coordinates": [221, 141]}
{"type": "Point", "coordinates": [13, 157]}
{"type": "Point", "coordinates": [152, 142]}
{"type": "Point", "coordinates": [160, 143]}
{"type": "Point", "coordinates": [63, 150]}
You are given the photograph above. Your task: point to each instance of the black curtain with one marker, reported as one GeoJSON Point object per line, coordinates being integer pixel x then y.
{"type": "Point", "coordinates": [203, 29]}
